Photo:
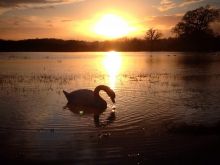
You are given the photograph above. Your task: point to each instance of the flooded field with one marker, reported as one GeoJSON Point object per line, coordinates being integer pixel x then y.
{"type": "Point", "coordinates": [167, 108]}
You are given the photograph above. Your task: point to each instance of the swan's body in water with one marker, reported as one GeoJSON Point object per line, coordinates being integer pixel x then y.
{"type": "Point", "coordinates": [89, 98]}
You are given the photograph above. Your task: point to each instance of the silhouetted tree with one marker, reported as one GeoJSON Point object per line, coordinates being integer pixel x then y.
{"type": "Point", "coordinates": [153, 34]}
{"type": "Point", "coordinates": [195, 23]}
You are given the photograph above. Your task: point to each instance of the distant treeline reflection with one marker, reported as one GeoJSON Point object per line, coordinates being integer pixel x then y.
{"type": "Point", "coordinates": [58, 45]}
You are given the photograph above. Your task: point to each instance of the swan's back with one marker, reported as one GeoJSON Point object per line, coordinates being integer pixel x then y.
{"type": "Point", "coordinates": [84, 97]}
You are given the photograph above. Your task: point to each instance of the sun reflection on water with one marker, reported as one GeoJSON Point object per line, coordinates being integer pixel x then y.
{"type": "Point", "coordinates": [112, 64]}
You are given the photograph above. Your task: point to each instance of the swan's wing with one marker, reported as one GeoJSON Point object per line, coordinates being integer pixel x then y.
{"type": "Point", "coordinates": [81, 97]}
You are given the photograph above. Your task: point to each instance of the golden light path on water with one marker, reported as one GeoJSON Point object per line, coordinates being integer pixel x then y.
{"type": "Point", "coordinates": [112, 64]}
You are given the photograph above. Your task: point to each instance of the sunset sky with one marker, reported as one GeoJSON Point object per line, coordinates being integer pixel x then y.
{"type": "Point", "coordinates": [92, 19]}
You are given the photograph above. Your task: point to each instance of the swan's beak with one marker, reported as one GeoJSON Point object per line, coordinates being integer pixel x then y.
{"type": "Point", "coordinates": [113, 99]}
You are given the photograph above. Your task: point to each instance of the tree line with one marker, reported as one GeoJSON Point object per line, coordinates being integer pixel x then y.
{"type": "Point", "coordinates": [192, 33]}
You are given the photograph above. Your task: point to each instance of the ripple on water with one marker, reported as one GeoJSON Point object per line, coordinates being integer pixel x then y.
{"type": "Point", "coordinates": [159, 104]}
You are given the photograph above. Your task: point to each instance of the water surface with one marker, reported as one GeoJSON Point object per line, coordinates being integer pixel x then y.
{"type": "Point", "coordinates": [167, 108]}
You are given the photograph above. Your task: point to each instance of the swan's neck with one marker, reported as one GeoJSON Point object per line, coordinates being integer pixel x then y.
{"type": "Point", "coordinates": [98, 89]}
{"type": "Point", "coordinates": [101, 102]}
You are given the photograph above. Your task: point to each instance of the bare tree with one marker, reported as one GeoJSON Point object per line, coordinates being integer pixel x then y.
{"type": "Point", "coordinates": [152, 34]}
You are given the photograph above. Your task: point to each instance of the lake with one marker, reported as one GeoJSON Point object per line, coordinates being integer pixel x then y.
{"type": "Point", "coordinates": [167, 108]}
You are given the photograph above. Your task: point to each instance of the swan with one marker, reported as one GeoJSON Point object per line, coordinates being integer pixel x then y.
{"type": "Point", "coordinates": [89, 98]}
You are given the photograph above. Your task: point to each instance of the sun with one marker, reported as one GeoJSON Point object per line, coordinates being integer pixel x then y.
{"type": "Point", "coordinates": [112, 26]}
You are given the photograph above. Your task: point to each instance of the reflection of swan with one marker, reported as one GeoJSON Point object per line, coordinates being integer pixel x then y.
{"type": "Point", "coordinates": [89, 98]}
{"type": "Point", "coordinates": [82, 111]}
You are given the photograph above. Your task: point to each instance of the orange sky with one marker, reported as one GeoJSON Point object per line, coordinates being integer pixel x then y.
{"type": "Point", "coordinates": [91, 19]}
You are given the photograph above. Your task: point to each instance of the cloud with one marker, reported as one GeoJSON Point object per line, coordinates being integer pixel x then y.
{"type": "Point", "coordinates": [67, 20]}
{"type": "Point", "coordinates": [163, 23]}
{"type": "Point", "coordinates": [44, 7]}
{"type": "Point", "coordinates": [16, 3]}
{"type": "Point", "coordinates": [188, 2]}
{"type": "Point", "coordinates": [166, 5]}
{"type": "Point", "coordinates": [166, 20]}
{"type": "Point", "coordinates": [16, 21]}
{"type": "Point", "coordinates": [24, 27]}
{"type": "Point", "coordinates": [20, 3]}
{"type": "Point", "coordinates": [170, 4]}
